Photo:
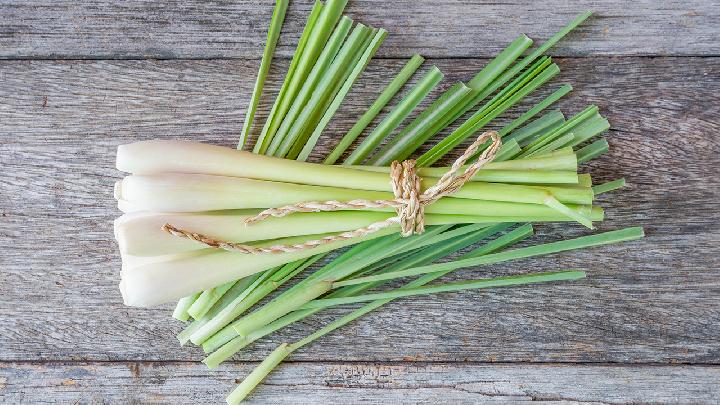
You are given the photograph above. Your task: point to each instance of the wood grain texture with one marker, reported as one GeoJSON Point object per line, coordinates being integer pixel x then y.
{"type": "Point", "coordinates": [106, 29]}
{"type": "Point", "coordinates": [653, 301]}
{"type": "Point", "coordinates": [367, 383]}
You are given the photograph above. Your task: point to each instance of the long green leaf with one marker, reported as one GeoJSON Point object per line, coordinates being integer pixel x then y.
{"type": "Point", "coordinates": [385, 96]}
{"type": "Point", "coordinates": [272, 37]}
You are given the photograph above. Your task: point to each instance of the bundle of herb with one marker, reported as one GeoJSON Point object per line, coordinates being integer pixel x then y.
{"type": "Point", "coordinates": [212, 191]}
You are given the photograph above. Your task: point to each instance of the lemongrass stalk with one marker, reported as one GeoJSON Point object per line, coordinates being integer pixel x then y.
{"type": "Point", "coordinates": [180, 312]}
{"type": "Point", "coordinates": [273, 34]}
{"type": "Point", "coordinates": [264, 138]}
{"type": "Point", "coordinates": [227, 350]}
{"type": "Point", "coordinates": [506, 154]}
{"type": "Point", "coordinates": [157, 283]}
{"type": "Point", "coordinates": [448, 287]}
{"type": "Point", "coordinates": [146, 238]}
{"type": "Point", "coordinates": [320, 33]}
{"type": "Point", "coordinates": [330, 112]}
{"type": "Point", "coordinates": [385, 96]}
{"type": "Point", "coordinates": [517, 83]}
{"type": "Point", "coordinates": [567, 127]}
{"type": "Point", "coordinates": [589, 129]}
{"type": "Point", "coordinates": [526, 61]}
{"type": "Point", "coordinates": [593, 150]}
{"type": "Point", "coordinates": [334, 97]}
{"type": "Point", "coordinates": [497, 198]}
{"type": "Point", "coordinates": [623, 235]}
{"type": "Point", "coordinates": [609, 186]}
{"type": "Point", "coordinates": [565, 160]}
{"type": "Point", "coordinates": [281, 143]}
{"type": "Point", "coordinates": [500, 176]}
{"type": "Point", "coordinates": [482, 117]}
{"type": "Point", "coordinates": [584, 180]}
{"type": "Point", "coordinates": [552, 145]}
{"type": "Point", "coordinates": [258, 374]}
{"type": "Point", "coordinates": [547, 123]}
{"type": "Point", "coordinates": [329, 52]}
{"type": "Point", "coordinates": [207, 299]}
{"type": "Point", "coordinates": [320, 282]}
{"type": "Point", "coordinates": [236, 290]}
{"type": "Point", "coordinates": [179, 192]}
{"type": "Point", "coordinates": [411, 100]}
{"type": "Point", "coordinates": [501, 62]}
{"type": "Point", "coordinates": [414, 134]}
{"type": "Point", "coordinates": [182, 192]}
{"type": "Point", "coordinates": [545, 103]}
{"type": "Point", "coordinates": [143, 236]}
{"type": "Point", "coordinates": [463, 236]}
{"type": "Point", "coordinates": [480, 82]}
{"type": "Point", "coordinates": [250, 296]}
{"type": "Point", "coordinates": [165, 157]}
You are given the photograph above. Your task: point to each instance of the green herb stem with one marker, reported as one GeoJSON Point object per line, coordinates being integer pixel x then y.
{"type": "Point", "coordinates": [447, 287]}
{"type": "Point", "coordinates": [479, 84]}
{"type": "Point", "coordinates": [396, 116]}
{"type": "Point", "coordinates": [422, 256]}
{"type": "Point", "coordinates": [207, 299]}
{"type": "Point", "coordinates": [320, 33]}
{"type": "Point", "coordinates": [238, 289]}
{"type": "Point", "coordinates": [593, 150]}
{"type": "Point", "coordinates": [273, 119]}
{"type": "Point", "coordinates": [332, 109]}
{"type": "Point", "coordinates": [180, 313]}
{"type": "Point", "coordinates": [547, 123]}
{"type": "Point", "coordinates": [483, 116]}
{"type": "Point", "coordinates": [328, 54]}
{"type": "Point", "coordinates": [609, 186]}
{"type": "Point", "coordinates": [414, 134]}
{"type": "Point", "coordinates": [282, 142]}
{"type": "Point", "coordinates": [272, 37]}
{"type": "Point", "coordinates": [258, 374]}
{"type": "Point", "coordinates": [605, 238]}
{"type": "Point", "coordinates": [385, 96]}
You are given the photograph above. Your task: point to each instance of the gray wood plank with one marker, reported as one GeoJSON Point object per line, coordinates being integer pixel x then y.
{"type": "Point", "coordinates": [368, 383]}
{"type": "Point", "coordinates": [649, 301]}
{"type": "Point", "coordinates": [449, 28]}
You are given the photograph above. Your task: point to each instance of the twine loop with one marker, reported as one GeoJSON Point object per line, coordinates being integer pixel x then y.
{"type": "Point", "coordinates": [409, 203]}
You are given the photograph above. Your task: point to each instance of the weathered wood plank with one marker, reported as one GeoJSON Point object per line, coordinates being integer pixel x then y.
{"type": "Point", "coordinates": [368, 383]}
{"type": "Point", "coordinates": [449, 28]}
{"type": "Point", "coordinates": [651, 301]}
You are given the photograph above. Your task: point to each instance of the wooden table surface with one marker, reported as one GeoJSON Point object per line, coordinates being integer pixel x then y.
{"type": "Point", "coordinates": [79, 78]}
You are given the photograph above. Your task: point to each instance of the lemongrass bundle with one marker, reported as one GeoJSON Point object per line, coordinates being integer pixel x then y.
{"type": "Point", "coordinates": [223, 186]}
{"type": "Point", "coordinates": [213, 191]}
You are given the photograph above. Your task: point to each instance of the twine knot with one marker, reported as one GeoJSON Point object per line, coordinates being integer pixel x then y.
{"type": "Point", "coordinates": [409, 207]}
{"type": "Point", "coordinates": [409, 203]}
